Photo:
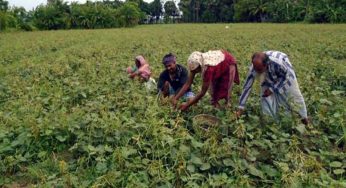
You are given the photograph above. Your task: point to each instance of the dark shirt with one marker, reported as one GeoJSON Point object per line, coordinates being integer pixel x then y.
{"type": "Point", "coordinates": [177, 83]}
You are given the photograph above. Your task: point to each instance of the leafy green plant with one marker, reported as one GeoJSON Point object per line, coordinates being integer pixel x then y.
{"type": "Point", "coordinates": [69, 116]}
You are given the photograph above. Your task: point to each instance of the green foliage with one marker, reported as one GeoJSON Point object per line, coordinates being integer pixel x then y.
{"type": "Point", "coordinates": [171, 10]}
{"type": "Point", "coordinates": [70, 117]}
{"type": "Point", "coordinates": [91, 15]}
{"type": "Point", "coordinates": [332, 11]}
{"type": "Point", "coordinates": [3, 20]}
{"type": "Point", "coordinates": [57, 14]}
{"type": "Point", "coordinates": [143, 6]}
{"type": "Point", "coordinates": [3, 5]}
{"type": "Point", "coordinates": [52, 16]}
{"type": "Point", "coordinates": [129, 14]}
{"type": "Point", "coordinates": [88, 16]}
{"type": "Point", "coordinates": [156, 8]}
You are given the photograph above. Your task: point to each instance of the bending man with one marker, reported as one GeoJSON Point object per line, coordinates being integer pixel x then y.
{"type": "Point", "coordinates": [278, 82]}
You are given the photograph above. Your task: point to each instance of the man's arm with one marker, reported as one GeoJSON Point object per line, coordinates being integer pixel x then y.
{"type": "Point", "coordinates": [185, 87]}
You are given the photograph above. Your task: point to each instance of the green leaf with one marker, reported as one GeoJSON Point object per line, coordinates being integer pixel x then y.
{"type": "Point", "coordinates": [196, 160]}
{"type": "Point", "coordinates": [101, 167]}
{"type": "Point", "coordinates": [48, 132]}
{"type": "Point", "coordinates": [301, 129]}
{"type": "Point", "coordinates": [255, 172]}
{"type": "Point", "coordinates": [83, 94]}
{"type": "Point", "coordinates": [5, 148]}
{"type": "Point", "coordinates": [2, 135]}
{"type": "Point", "coordinates": [61, 138]}
{"type": "Point", "coordinates": [183, 148]}
{"type": "Point", "coordinates": [338, 171]}
{"type": "Point", "coordinates": [91, 148]}
{"type": "Point", "coordinates": [228, 162]}
{"type": "Point", "coordinates": [270, 171]}
{"type": "Point", "coordinates": [205, 166]}
{"type": "Point", "coordinates": [335, 92]}
{"type": "Point", "coordinates": [191, 168]}
{"type": "Point", "coordinates": [21, 158]}
{"type": "Point", "coordinates": [325, 101]}
{"type": "Point", "coordinates": [336, 115]}
{"type": "Point", "coordinates": [126, 152]}
{"type": "Point", "coordinates": [335, 164]}
{"type": "Point", "coordinates": [15, 143]}
{"type": "Point", "coordinates": [283, 166]}
{"type": "Point", "coordinates": [196, 144]}
{"type": "Point", "coordinates": [108, 148]}
{"type": "Point", "coordinates": [42, 154]}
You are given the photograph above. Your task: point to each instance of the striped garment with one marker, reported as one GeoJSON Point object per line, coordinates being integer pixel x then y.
{"type": "Point", "coordinates": [278, 77]}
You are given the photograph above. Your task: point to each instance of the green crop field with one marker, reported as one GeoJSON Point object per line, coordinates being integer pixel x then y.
{"type": "Point", "coordinates": [70, 117]}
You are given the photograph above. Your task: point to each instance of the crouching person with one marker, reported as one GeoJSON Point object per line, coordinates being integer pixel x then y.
{"type": "Point", "coordinates": [279, 85]}
{"type": "Point", "coordinates": [141, 70]}
{"type": "Point", "coordinates": [173, 78]}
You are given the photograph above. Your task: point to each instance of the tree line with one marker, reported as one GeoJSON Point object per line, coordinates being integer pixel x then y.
{"type": "Point", "coordinates": [312, 11]}
{"type": "Point", "coordinates": [57, 14]}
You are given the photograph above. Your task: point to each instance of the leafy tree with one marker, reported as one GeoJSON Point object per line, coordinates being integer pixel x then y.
{"type": "Point", "coordinates": [251, 10]}
{"type": "Point", "coordinates": [184, 6]}
{"type": "Point", "coordinates": [3, 5]}
{"type": "Point", "coordinates": [57, 14]}
{"type": "Point", "coordinates": [156, 9]}
{"type": "Point", "coordinates": [326, 11]}
{"type": "Point", "coordinates": [52, 16]}
{"type": "Point", "coordinates": [112, 3]}
{"type": "Point", "coordinates": [3, 21]}
{"type": "Point", "coordinates": [143, 6]}
{"type": "Point", "coordinates": [171, 9]}
{"type": "Point", "coordinates": [129, 14]}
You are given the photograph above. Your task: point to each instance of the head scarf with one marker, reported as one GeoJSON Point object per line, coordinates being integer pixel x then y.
{"type": "Point", "coordinates": [210, 58]}
{"type": "Point", "coordinates": [195, 60]}
{"type": "Point", "coordinates": [141, 60]}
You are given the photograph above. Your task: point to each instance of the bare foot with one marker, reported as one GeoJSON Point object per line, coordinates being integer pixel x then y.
{"type": "Point", "coordinates": [217, 105]}
{"type": "Point", "coordinates": [305, 121]}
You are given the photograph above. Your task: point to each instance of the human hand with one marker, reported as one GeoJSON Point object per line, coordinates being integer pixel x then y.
{"type": "Point", "coordinates": [184, 106]}
{"type": "Point", "coordinates": [239, 113]}
{"type": "Point", "coordinates": [267, 93]}
{"type": "Point", "coordinates": [174, 102]}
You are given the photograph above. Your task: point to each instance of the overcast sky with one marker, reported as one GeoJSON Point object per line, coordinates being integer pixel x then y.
{"type": "Point", "coordinates": [29, 4]}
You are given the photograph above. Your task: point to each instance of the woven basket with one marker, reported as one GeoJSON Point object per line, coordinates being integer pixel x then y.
{"type": "Point", "coordinates": [206, 125]}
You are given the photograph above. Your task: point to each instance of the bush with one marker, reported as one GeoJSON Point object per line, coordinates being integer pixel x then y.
{"type": "Point", "coordinates": [3, 21]}
{"type": "Point", "coordinates": [26, 26]}
{"type": "Point", "coordinates": [129, 14]}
